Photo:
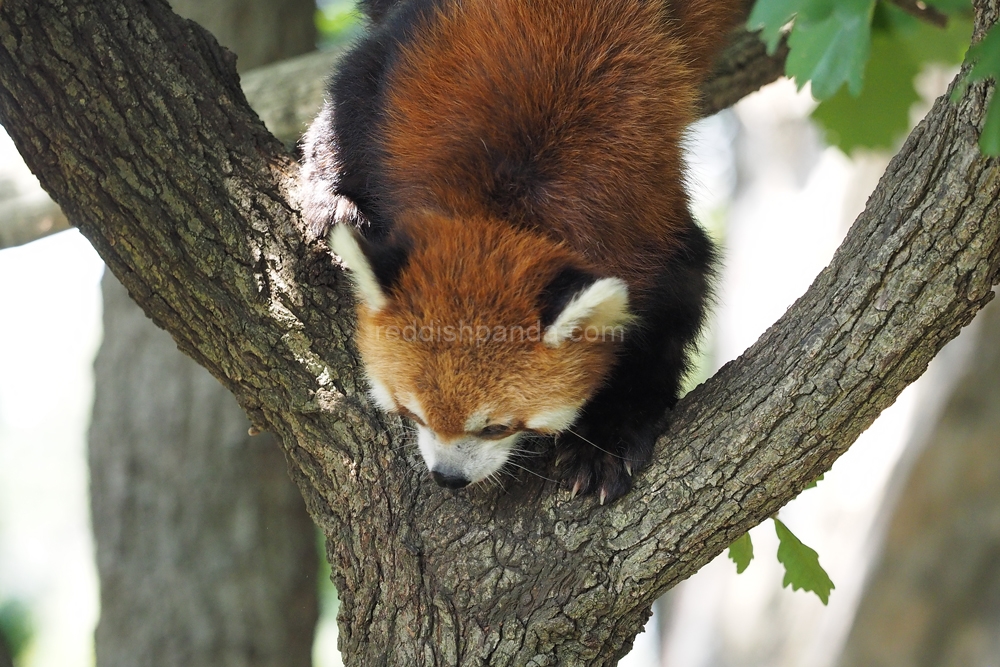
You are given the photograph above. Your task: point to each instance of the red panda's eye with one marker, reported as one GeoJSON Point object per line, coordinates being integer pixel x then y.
{"type": "Point", "coordinates": [495, 431]}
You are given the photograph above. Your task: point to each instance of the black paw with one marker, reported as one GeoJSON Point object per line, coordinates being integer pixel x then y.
{"type": "Point", "coordinates": [601, 465]}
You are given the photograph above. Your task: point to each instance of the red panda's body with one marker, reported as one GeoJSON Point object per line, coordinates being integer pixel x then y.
{"type": "Point", "coordinates": [510, 164]}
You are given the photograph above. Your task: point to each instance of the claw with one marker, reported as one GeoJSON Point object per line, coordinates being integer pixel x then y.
{"type": "Point", "coordinates": [604, 495]}
{"type": "Point", "coordinates": [576, 488]}
{"type": "Point", "coordinates": [561, 459]}
{"type": "Point", "coordinates": [628, 468]}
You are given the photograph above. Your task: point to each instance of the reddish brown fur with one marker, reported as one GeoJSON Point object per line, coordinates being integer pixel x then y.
{"type": "Point", "coordinates": [453, 380]}
{"type": "Point", "coordinates": [610, 88]}
{"type": "Point", "coordinates": [703, 25]}
{"type": "Point", "coordinates": [510, 156]}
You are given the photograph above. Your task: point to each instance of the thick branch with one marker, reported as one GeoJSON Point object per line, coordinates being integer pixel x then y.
{"type": "Point", "coordinates": [135, 123]}
{"type": "Point", "coordinates": [741, 68]}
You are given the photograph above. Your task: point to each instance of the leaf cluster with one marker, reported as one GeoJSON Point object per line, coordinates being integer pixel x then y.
{"type": "Point", "coordinates": [861, 58]}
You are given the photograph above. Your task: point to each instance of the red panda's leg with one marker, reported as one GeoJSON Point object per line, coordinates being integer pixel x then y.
{"type": "Point", "coordinates": [614, 436]}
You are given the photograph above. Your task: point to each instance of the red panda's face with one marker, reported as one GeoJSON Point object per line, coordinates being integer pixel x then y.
{"type": "Point", "coordinates": [483, 334]}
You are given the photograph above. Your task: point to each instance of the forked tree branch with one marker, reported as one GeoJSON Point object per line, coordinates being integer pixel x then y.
{"type": "Point", "coordinates": [134, 121]}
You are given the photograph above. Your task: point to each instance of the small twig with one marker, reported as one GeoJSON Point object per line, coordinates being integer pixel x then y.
{"type": "Point", "coordinates": [922, 11]}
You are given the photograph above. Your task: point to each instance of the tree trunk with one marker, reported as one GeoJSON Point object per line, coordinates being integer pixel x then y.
{"type": "Point", "coordinates": [155, 155]}
{"type": "Point", "coordinates": [933, 600]}
{"type": "Point", "coordinates": [205, 552]}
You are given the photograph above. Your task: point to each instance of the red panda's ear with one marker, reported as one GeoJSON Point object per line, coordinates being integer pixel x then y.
{"type": "Point", "coordinates": [374, 268]}
{"type": "Point", "coordinates": [587, 303]}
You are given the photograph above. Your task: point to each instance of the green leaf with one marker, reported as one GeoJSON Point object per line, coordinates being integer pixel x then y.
{"type": "Point", "coordinates": [901, 46]}
{"type": "Point", "coordinates": [770, 16]}
{"type": "Point", "coordinates": [829, 45]}
{"type": "Point", "coordinates": [986, 56]}
{"type": "Point", "coordinates": [881, 113]}
{"type": "Point", "coordinates": [947, 46]}
{"type": "Point", "coordinates": [802, 568]}
{"type": "Point", "coordinates": [16, 626]}
{"type": "Point", "coordinates": [989, 140]}
{"type": "Point", "coordinates": [741, 552]}
{"type": "Point", "coordinates": [337, 22]}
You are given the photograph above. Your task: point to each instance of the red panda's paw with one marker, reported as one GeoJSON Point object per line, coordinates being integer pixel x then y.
{"type": "Point", "coordinates": [586, 468]}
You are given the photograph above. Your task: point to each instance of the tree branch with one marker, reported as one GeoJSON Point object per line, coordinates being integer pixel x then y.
{"type": "Point", "coordinates": [134, 121]}
{"type": "Point", "coordinates": [923, 11]}
{"type": "Point", "coordinates": [286, 97]}
{"type": "Point", "coordinates": [743, 67]}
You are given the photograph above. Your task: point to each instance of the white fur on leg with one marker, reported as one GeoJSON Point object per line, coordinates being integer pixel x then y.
{"type": "Point", "coordinates": [344, 242]}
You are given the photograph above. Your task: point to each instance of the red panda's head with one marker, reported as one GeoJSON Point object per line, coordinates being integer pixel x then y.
{"type": "Point", "coordinates": [480, 333]}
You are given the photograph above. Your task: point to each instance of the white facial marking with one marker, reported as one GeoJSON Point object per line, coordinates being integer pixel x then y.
{"type": "Point", "coordinates": [476, 421]}
{"type": "Point", "coordinates": [474, 459]}
{"type": "Point", "coordinates": [343, 241]}
{"type": "Point", "coordinates": [413, 405]}
{"type": "Point", "coordinates": [557, 419]}
{"type": "Point", "coordinates": [602, 304]}
{"type": "Point", "coordinates": [381, 394]}
{"type": "Point", "coordinates": [480, 419]}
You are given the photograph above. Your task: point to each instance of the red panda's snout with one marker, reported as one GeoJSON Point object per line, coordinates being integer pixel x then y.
{"type": "Point", "coordinates": [461, 462]}
{"type": "Point", "coordinates": [480, 335]}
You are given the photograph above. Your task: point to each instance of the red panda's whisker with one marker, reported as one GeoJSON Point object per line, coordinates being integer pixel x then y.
{"type": "Point", "coordinates": [495, 480]}
{"type": "Point", "coordinates": [617, 456]}
{"type": "Point", "coordinates": [527, 453]}
{"type": "Point", "coordinates": [529, 470]}
{"type": "Point", "coordinates": [408, 442]}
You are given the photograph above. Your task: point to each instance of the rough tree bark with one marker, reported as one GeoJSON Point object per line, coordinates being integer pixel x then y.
{"type": "Point", "coordinates": [136, 124]}
{"type": "Point", "coordinates": [206, 555]}
{"type": "Point", "coordinates": [934, 597]}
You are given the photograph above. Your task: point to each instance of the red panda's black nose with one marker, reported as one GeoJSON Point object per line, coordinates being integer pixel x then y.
{"type": "Point", "coordinates": [449, 481]}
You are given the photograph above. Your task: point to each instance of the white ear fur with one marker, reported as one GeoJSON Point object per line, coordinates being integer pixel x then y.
{"type": "Point", "coordinates": [344, 242]}
{"type": "Point", "coordinates": [602, 304]}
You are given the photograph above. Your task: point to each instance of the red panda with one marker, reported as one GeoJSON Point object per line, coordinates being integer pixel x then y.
{"type": "Point", "coordinates": [504, 181]}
